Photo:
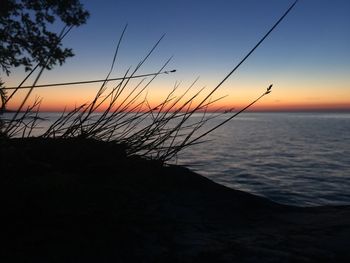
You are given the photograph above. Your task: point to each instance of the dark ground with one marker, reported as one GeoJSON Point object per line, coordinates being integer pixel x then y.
{"type": "Point", "coordinates": [84, 201]}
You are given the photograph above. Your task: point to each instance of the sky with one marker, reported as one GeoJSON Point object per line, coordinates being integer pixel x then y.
{"type": "Point", "coordinates": [307, 57]}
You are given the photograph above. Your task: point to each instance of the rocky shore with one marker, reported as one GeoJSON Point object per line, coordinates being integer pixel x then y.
{"type": "Point", "coordinates": [84, 201]}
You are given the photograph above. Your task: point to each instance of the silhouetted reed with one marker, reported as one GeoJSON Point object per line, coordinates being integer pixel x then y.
{"type": "Point", "coordinates": [122, 113]}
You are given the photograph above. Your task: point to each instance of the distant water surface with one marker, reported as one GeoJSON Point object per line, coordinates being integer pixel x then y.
{"type": "Point", "coordinates": [292, 158]}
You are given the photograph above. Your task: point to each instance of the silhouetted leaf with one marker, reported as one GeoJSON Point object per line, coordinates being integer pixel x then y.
{"type": "Point", "coordinates": [24, 35]}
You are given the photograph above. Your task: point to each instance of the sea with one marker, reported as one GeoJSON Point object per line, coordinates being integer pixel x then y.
{"type": "Point", "coordinates": [298, 158]}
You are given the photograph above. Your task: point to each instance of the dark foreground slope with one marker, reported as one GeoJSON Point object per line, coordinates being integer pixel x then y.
{"type": "Point", "coordinates": [84, 201]}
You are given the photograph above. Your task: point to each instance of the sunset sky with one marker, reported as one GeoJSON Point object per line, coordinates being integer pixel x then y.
{"type": "Point", "coordinates": [307, 57]}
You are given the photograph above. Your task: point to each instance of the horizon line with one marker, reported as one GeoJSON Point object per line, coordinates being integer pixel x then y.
{"type": "Point", "coordinates": [306, 110]}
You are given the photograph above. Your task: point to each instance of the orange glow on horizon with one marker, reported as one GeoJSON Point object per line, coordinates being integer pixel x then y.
{"type": "Point", "coordinates": [59, 106]}
{"type": "Point", "coordinates": [281, 99]}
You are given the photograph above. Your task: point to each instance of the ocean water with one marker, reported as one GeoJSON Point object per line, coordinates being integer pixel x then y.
{"type": "Point", "coordinates": [292, 158]}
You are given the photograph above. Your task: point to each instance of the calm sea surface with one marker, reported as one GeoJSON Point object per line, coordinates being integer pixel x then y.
{"type": "Point", "coordinates": [292, 158]}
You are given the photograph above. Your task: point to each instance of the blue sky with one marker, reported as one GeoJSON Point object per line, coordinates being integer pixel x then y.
{"type": "Point", "coordinates": [309, 53]}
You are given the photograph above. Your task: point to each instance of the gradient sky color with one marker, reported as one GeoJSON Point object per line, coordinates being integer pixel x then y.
{"type": "Point", "coordinates": [307, 57]}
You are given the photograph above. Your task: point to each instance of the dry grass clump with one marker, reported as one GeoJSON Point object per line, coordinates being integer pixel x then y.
{"type": "Point", "coordinates": [122, 113]}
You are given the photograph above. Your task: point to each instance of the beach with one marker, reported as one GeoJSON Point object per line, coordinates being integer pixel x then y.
{"type": "Point", "coordinates": [79, 200]}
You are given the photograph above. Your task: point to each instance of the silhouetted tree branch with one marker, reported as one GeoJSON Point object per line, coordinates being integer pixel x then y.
{"type": "Point", "coordinates": [25, 37]}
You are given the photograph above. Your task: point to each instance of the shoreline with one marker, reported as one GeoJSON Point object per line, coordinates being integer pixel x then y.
{"type": "Point", "coordinates": [87, 201]}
